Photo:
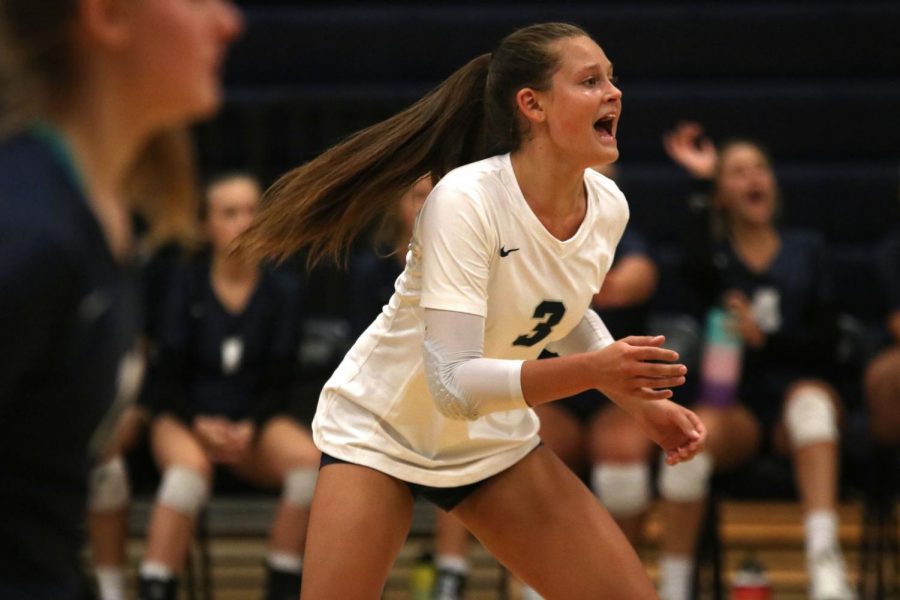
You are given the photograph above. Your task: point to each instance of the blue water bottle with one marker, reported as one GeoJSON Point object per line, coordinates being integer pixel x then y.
{"type": "Point", "coordinates": [720, 369]}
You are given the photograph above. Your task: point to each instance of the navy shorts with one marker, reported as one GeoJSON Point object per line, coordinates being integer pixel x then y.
{"type": "Point", "coordinates": [584, 406]}
{"type": "Point", "coordinates": [445, 498]}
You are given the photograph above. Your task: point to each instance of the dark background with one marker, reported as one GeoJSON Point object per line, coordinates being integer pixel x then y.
{"type": "Point", "coordinates": [817, 82]}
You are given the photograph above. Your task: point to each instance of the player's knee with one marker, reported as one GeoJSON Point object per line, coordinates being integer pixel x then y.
{"type": "Point", "coordinates": [687, 481]}
{"type": "Point", "coordinates": [108, 488]}
{"type": "Point", "coordinates": [299, 485]}
{"type": "Point", "coordinates": [624, 489]}
{"type": "Point", "coordinates": [184, 490]}
{"type": "Point", "coordinates": [810, 417]}
{"type": "Point", "coordinates": [883, 372]}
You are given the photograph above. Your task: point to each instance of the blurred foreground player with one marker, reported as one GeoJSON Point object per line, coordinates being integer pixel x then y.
{"type": "Point", "coordinates": [106, 80]}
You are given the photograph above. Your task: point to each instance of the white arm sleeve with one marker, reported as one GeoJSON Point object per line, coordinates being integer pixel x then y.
{"type": "Point", "coordinates": [463, 383]}
{"type": "Point", "coordinates": [589, 335]}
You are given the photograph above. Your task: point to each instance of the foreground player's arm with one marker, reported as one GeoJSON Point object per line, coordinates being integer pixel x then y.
{"type": "Point", "coordinates": [466, 385]}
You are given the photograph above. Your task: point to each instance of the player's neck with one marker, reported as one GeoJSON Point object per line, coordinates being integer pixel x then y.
{"type": "Point", "coordinates": [101, 153]}
{"type": "Point", "coordinates": [227, 268]}
{"type": "Point", "coordinates": [552, 187]}
{"type": "Point", "coordinates": [749, 235]}
{"type": "Point", "coordinates": [756, 245]}
{"type": "Point", "coordinates": [105, 139]}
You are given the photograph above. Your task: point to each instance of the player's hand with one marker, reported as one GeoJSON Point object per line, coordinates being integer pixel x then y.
{"type": "Point", "coordinates": [677, 430]}
{"type": "Point", "coordinates": [741, 310]}
{"type": "Point", "coordinates": [695, 152]}
{"type": "Point", "coordinates": [241, 434]}
{"type": "Point", "coordinates": [214, 436]}
{"type": "Point", "coordinates": [637, 369]}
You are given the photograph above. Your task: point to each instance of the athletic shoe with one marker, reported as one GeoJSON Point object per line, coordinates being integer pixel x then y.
{"type": "Point", "coordinates": [449, 585]}
{"type": "Point", "coordinates": [157, 589]}
{"type": "Point", "coordinates": [282, 585]}
{"type": "Point", "coordinates": [828, 577]}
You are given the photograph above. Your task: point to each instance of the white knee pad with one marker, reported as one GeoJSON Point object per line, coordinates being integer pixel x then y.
{"type": "Point", "coordinates": [686, 481]}
{"type": "Point", "coordinates": [108, 488]}
{"type": "Point", "coordinates": [624, 489]}
{"type": "Point", "coordinates": [299, 485]}
{"type": "Point", "coordinates": [183, 490]}
{"type": "Point", "coordinates": [810, 418]}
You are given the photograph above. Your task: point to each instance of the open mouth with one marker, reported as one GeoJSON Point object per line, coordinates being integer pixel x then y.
{"type": "Point", "coordinates": [605, 125]}
{"type": "Point", "coordinates": [756, 197]}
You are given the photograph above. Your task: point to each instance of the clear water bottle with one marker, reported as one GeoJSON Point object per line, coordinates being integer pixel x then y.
{"type": "Point", "coordinates": [751, 582]}
{"type": "Point", "coordinates": [720, 370]}
{"type": "Point", "coordinates": [421, 579]}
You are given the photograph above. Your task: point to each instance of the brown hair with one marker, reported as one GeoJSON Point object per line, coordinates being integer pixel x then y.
{"type": "Point", "coordinates": [38, 65]}
{"type": "Point", "coordinates": [326, 203]}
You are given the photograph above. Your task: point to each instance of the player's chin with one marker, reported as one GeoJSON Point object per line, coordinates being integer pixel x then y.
{"type": "Point", "coordinates": [606, 154]}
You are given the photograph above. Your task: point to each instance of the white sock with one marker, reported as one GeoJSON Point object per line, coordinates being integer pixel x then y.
{"type": "Point", "coordinates": [111, 581]}
{"type": "Point", "coordinates": [821, 531]}
{"type": "Point", "coordinates": [151, 569]}
{"type": "Point", "coordinates": [453, 563]}
{"type": "Point", "coordinates": [675, 572]}
{"type": "Point", "coordinates": [286, 562]}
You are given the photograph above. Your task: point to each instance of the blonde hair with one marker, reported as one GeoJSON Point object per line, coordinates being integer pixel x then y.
{"type": "Point", "coordinates": [37, 66]}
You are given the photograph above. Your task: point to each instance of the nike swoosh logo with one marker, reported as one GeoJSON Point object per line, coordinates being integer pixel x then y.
{"type": "Point", "coordinates": [504, 252]}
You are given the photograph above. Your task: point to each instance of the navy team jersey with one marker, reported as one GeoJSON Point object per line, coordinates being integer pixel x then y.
{"type": "Point", "coordinates": [68, 315]}
{"type": "Point", "coordinates": [215, 362]}
{"type": "Point", "coordinates": [792, 301]}
{"type": "Point", "coordinates": [372, 278]}
{"type": "Point", "coordinates": [628, 320]}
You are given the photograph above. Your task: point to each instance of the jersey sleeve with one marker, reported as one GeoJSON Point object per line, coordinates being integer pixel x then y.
{"type": "Point", "coordinates": [589, 335]}
{"type": "Point", "coordinates": [464, 384]}
{"type": "Point", "coordinates": [457, 245]}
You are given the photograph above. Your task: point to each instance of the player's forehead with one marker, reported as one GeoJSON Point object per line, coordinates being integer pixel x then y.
{"type": "Point", "coordinates": [581, 54]}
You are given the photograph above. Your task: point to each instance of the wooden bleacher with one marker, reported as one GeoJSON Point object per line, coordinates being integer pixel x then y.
{"type": "Point", "coordinates": [772, 531]}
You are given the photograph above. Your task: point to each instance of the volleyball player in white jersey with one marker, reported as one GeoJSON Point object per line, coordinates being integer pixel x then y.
{"type": "Point", "coordinates": [435, 398]}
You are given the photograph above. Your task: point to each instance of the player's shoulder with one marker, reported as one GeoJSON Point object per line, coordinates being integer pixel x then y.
{"type": "Point", "coordinates": [605, 193]}
{"type": "Point", "coordinates": [476, 182]}
{"type": "Point", "coordinates": [35, 202]}
{"type": "Point", "coordinates": [799, 239]}
{"type": "Point", "coordinates": [284, 281]}
{"type": "Point", "coordinates": [603, 186]}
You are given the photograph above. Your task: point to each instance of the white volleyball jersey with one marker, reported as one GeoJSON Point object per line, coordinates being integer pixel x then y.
{"type": "Point", "coordinates": [477, 248]}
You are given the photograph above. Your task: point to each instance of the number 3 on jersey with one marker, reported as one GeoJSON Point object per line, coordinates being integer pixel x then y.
{"type": "Point", "coordinates": [552, 312]}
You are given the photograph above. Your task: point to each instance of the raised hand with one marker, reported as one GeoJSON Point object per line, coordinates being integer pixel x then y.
{"type": "Point", "coordinates": [695, 152]}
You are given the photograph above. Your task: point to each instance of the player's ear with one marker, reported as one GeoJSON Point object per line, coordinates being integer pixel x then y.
{"type": "Point", "coordinates": [529, 104]}
{"type": "Point", "coordinates": [106, 22]}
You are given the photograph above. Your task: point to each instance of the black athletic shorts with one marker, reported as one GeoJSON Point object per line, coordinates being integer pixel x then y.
{"type": "Point", "coordinates": [445, 498]}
